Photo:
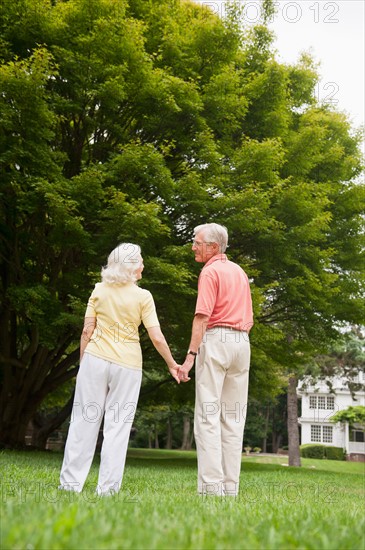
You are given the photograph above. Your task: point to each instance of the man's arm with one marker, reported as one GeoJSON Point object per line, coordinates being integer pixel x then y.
{"type": "Point", "coordinates": [199, 327]}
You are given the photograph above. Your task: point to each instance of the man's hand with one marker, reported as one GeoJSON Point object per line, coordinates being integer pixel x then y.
{"type": "Point", "coordinates": [186, 368]}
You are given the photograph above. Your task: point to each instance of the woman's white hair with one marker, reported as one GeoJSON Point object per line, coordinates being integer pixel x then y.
{"type": "Point", "coordinates": [214, 233]}
{"type": "Point", "coordinates": [123, 262]}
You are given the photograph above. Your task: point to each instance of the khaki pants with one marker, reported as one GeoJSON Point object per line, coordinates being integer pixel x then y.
{"type": "Point", "coordinates": [103, 389]}
{"type": "Point", "coordinates": [222, 373]}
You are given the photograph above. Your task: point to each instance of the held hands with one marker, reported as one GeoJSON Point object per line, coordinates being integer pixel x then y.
{"type": "Point", "coordinates": [184, 370]}
{"type": "Point", "coordinates": [174, 371]}
{"type": "Point", "coordinates": [181, 372]}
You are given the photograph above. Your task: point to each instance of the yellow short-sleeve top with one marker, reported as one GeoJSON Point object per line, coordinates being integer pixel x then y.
{"type": "Point", "coordinates": [119, 310]}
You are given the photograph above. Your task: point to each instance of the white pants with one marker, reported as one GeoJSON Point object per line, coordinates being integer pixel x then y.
{"type": "Point", "coordinates": [222, 374]}
{"type": "Point", "coordinates": [103, 389]}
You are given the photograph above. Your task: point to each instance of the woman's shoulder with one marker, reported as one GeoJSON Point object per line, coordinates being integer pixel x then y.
{"type": "Point", "coordinates": [143, 291]}
{"type": "Point", "coordinates": [102, 288]}
{"type": "Point", "coordinates": [121, 287]}
{"type": "Point", "coordinates": [96, 288]}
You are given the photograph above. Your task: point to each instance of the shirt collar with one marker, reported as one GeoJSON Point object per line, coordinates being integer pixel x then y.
{"type": "Point", "coordinates": [215, 258]}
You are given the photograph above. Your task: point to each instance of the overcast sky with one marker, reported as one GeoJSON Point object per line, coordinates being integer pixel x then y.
{"type": "Point", "coordinates": [333, 32]}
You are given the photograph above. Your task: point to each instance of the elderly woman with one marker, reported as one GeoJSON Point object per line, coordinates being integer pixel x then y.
{"type": "Point", "coordinates": [110, 373]}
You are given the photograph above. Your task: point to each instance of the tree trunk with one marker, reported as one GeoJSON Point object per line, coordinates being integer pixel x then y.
{"type": "Point", "coordinates": [293, 429]}
{"type": "Point", "coordinates": [191, 440]}
{"type": "Point", "coordinates": [267, 420]}
{"type": "Point", "coordinates": [277, 442]}
{"type": "Point", "coordinates": [169, 434]}
{"type": "Point", "coordinates": [25, 387]}
{"type": "Point", "coordinates": [43, 429]}
{"type": "Point", "coordinates": [157, 444]}
{"type": "Point", "coordinates": [186, 442]}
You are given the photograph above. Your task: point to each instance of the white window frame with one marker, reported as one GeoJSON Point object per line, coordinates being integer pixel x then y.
{"type": "Point", "coordinates": [327, 434]}
{"type": "Point", "coordinates": [330, 402]}
{"type": "Point", "coordinates": [322, 402]}
{"type": "Point", "coordinates": [312, 401]}
{"type": "Point", "coordinates": [321, 433]}
{"type": "Point", "coordinates": [316, 432]}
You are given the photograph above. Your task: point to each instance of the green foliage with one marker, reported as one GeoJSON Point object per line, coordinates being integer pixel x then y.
{"type": "Point", "coordinates": [344, 358]}
{"type": "Point", "coordinates": [311, 450]}
{"type": "Point", "coordinates": [352, 415]}
{"type": "Point", "coordinates": [335, 453]}
{"type": "Point", "coordinates": [137, 121]}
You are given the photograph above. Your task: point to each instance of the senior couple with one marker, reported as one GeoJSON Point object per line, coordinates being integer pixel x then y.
{"type": "Point", "coordinates": [110, 374]}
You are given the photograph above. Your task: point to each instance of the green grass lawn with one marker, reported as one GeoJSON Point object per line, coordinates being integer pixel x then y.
{"type": "Point", "coordinates": [318, 506]}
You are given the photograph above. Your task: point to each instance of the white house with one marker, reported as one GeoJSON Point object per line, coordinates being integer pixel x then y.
{"type": "Point", "coordinates": [318, 405]}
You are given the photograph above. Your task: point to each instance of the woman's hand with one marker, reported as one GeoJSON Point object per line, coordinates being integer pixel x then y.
{"type": "Point", "coordinates": [174, 372]}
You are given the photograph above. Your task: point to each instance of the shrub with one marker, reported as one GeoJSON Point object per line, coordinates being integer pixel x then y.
{"type": "Point", "coordinates": [335, 453]}
{"type": "Point", "coordinates": [310, 450]}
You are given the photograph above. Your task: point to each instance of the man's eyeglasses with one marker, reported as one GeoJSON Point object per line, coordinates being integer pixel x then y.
{"type": "Point", "coordinates": [197, 243]}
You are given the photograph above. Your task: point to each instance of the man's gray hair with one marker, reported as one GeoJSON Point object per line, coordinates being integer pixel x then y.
{"type": "Point", "coordinates": [214, 233]}
{"type": "Point", "coordinates": [123, 262]}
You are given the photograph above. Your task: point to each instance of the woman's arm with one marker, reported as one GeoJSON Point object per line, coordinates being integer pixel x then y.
{"type": "Point", "coordinates": [87, 332]}
{"type": "Point", "coordinates": [159, 342]}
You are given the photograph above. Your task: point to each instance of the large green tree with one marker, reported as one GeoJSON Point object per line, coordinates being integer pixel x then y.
{"type": "Point", "coordinates": [132, 120]}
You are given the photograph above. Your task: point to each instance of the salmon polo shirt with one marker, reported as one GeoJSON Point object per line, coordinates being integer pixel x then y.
{"type": "Point", "coordinates": [224, 294]}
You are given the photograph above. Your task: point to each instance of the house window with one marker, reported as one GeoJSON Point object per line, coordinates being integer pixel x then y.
{"type": "Point", "coordinates": [327, 434]}
{"type": "Point", "coordinates": [321, 402]}
{"type": "Point", "coordinates": [323, 434]}
{"type": "Point", "coordinates": [315, 433]}
{"type": "Point", "coordinates": [357, 436]}
{"type": "Point", "coordinates": [312, 402]}
{"type": "Point", "coordinates": [330, 402]}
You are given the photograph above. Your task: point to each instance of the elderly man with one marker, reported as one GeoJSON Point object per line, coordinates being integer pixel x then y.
{"type": "Point", "coordinates": [221, 347]}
